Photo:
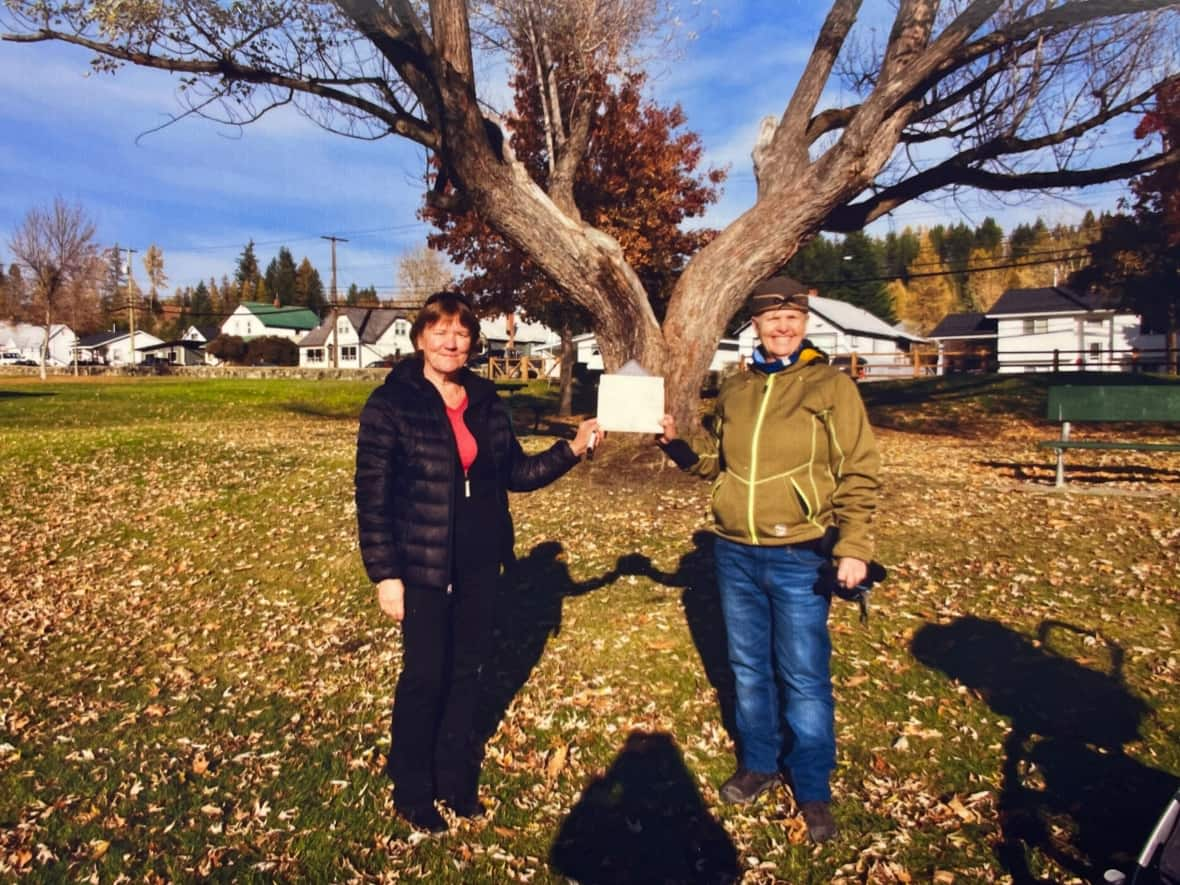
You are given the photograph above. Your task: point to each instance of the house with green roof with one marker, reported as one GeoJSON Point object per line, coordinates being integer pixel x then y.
{"type": "Point", "coordinates": [256, 319]}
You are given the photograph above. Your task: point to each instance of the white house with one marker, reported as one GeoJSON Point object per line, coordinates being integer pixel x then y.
{"type": "Point", "coordinates": [28, 339]}
{"type": "Point", "coordinates": [966, 342]}
{"type": "Point", "coordinates": [114, 348]}
{"type": "Point", "coordinates": [255, 319]}
{"type": "Point", "coordinates": [357, 337]}
{"type": "Point", "coordinates": [202, 335]}
{"type": "Point", "coordinates": [1058, 329]}
{"type": "Point", "coordinates": [728, 353]}
{"type": "Point", "coordinates": [504, 331]}
{"type": "Point", "coordinates": [839, 329]}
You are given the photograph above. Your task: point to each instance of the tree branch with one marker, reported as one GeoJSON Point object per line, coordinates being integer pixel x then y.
{"type": "Point", "coordinates": [856, 215]}
{"type": "Point", "coordinates": [811, 84]}
{"type": "Point", "coordinates": [228, 69]}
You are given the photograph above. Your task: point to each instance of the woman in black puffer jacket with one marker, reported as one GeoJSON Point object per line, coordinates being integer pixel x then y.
{"type": "Point", "coordinates": [436, 458]}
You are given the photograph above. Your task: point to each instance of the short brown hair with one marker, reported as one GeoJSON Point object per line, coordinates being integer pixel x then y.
{"type": "Point", "coordinates": [446, 304]}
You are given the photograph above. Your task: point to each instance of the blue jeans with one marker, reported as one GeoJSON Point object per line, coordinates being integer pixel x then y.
{"type": "Point", "coordinates": [777, 627]}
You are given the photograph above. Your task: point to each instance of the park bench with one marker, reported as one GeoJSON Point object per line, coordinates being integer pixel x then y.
{"type": "Point", "coordinates": [1103, 403]}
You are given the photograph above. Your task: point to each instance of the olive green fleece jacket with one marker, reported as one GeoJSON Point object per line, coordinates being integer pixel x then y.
{"type": "Point", "coordinates": [792, 453]}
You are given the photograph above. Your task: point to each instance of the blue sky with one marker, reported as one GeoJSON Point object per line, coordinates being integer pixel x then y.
{"type": "Point", "coordinates": [200, 191]}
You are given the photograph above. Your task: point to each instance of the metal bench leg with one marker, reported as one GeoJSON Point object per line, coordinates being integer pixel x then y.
{"type": "Point", "coordinates": [1061, 455]}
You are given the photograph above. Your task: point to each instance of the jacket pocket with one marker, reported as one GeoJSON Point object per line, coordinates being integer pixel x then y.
{"type": "Point", "coordinates": [729, 505]}
{"type": "Point", "coordinates": [781, 511]}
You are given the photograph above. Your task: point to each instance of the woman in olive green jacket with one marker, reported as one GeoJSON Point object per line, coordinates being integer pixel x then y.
{"type": "Point", "coordinates": [792, 455]}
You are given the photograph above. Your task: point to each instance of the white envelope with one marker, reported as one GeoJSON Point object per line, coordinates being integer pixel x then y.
{"type": "Point", "coordinates": [630, 403]}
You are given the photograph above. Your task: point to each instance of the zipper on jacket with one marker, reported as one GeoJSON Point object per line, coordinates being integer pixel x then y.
{"type": "Point", "coordinates": [466, 485]}
{"type": "Point", "coordinates": [754, 456]}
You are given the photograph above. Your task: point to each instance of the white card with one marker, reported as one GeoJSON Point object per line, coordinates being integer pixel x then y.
{"type": "Point", "coordinates": [630, 403]}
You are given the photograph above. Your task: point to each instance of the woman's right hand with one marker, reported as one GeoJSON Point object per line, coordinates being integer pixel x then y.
{"type": "Point", "coordinates": [391, 596]}
{"type": "Point", "coordinates": [669, 434]}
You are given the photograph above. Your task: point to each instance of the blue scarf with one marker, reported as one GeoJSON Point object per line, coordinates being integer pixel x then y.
{"type": "Point", "coordinates": [770, 366]}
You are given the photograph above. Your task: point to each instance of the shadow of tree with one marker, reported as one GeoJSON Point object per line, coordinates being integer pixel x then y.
{"type": "Point", "coordinates": [1069, 790]}
{"type": "Point", "coordinates": [15, 394]}
{"type": "Point", "coordinates": [702, 612]}
{"type": "Point", "coordinates": [643, 821]}
{"type": "Point", "coordinates": [529, 599]}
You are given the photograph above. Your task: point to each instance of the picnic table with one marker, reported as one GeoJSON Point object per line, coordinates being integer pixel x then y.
{"type": "Point", "coordinates": [1102, 403]}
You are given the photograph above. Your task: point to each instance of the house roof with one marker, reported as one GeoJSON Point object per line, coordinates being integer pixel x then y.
{"type": "Point", "coordinates": [208, 332]}
{"type": "Point", "coordinates": [99, 338]}
{"type": "Point", "coordinates": [965, 325]}
{"type": "Point", "coordinates": [1050, 299]}
{"type": "Point", "coordinates": [370, 322]}
{"type": "Point", "coordinates": [180, 342]}
{"type": "Point", "coordinates": [284, 317]}
{"type": "Point", "coordinates": [496, 329]}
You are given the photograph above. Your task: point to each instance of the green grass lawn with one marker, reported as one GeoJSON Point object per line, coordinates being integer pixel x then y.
{"type": "Point", "coordinates": [195, 679]}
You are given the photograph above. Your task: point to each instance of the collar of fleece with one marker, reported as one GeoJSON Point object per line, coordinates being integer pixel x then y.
{"type": "Point", "coordinates": [807, 353]}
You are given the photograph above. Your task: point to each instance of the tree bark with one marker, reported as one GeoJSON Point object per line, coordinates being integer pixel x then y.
{"type": "Point", "coordinates": [569, 355]}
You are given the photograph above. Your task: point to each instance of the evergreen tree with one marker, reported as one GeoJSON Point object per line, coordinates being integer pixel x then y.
{"type": "Point", "coordinates": [899, 251]}
{"type": "Point", "coordinates": [862, 268]}
{"type": "Point", "coordinates": [201, 306]}
{"type": "Point", "coordinates": [246, 275]}
{"type": "Point", "coordinates": [989, 235]}
{"type": "Point", "coordinates": [280, 277]}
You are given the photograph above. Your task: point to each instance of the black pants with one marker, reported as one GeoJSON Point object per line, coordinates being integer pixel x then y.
{"type": "Point", "coordinates": [447, 637]}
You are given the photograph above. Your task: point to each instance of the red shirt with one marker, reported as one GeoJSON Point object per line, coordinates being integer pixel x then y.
{"type": "Point", "coordinates": [464, 441]}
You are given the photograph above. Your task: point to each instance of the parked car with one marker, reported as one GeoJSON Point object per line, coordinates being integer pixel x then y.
{"type": "Point", "coordinates": [10, 358]}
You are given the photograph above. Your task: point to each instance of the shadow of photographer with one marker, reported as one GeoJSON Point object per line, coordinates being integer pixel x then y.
{"type": "Point", "coordinates": [699, 598]}
{"type": "Point", "coordinates": [643, 821]}
{"type": "Point", "coordinates": [529, 600]}
{"type": "Point", "coordinates": [1069, 790]}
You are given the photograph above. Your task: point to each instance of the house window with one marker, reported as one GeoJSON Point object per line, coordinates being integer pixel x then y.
{"type": "Point", "coordinates": [1095, 350]}
{"type": "Point", "coordinates": [1036, 326]}
{"type": "Point", "coordinates": [401, 327]}
{"type": "Point", "coordinates": [348, 353]}
{"type": "Point", "coordinates": [315, 355]}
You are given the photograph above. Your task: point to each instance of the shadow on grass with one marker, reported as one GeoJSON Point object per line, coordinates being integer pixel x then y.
{"type": "Point", "coordinates": [19, 394]}
{"type": "Point", "coordinates": [702, 611]}
{"type": "Point", "coordinates": [643, 821]}
{"type": "Point", "coordinates": [1044, 473]}
{"type": "Point", "coordinates": [529, 602]}
{"type": "Point", "coordinates": [1069, 790]}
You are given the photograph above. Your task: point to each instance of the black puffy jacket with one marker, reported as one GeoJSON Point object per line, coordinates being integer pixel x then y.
{"type": "Point", "coordinates": [406, 466]}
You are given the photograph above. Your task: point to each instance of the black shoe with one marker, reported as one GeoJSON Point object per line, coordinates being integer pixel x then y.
{"type": "Point", "coordinates": [422, 817]}
{"type": "Point", "coordinates": [746, 786]}
{"type": "Point", "coordinates": [821, 826]}
{"type": "Point", "coordinates": [468, 807]}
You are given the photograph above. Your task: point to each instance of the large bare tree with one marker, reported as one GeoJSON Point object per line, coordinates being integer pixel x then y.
{"type": "Point", "coordinates": [56, 246]}
{"type": "Point", "coordinates": [1003, 95]}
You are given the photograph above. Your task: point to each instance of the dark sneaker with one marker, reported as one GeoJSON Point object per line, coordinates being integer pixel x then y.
{"type": "Point", "coordinates": [422, 817]}
{"type": "Point", "coordinates": [468, 807]}
{"type": "Point", "coordinates": [746, 786]}
{"type": "Point", "coordinates": [821, 826]}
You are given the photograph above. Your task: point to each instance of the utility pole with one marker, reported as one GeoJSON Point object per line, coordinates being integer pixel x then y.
{"type": "Point", "coordinates": [332, 296]}
{"type": "Point", "coordinates": [127, 294]}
